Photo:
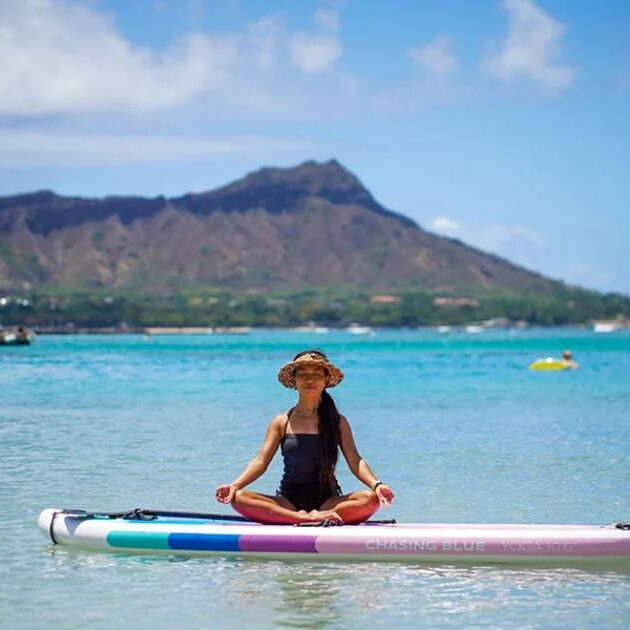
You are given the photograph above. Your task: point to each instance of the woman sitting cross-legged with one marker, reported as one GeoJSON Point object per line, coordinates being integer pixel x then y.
{"type": "Point", "coordinates": [309, 436]}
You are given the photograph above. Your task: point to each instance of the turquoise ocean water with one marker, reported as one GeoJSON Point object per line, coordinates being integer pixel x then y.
{"type": "Point", "coordinates": [456, 424]}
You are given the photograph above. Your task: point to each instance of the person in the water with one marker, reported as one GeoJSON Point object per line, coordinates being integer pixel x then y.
{"type": "Point", "coordinates": [567, 360]}
{"type": "Point", "coordinates": [309, 435]}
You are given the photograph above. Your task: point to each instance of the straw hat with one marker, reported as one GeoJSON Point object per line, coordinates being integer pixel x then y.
{"type": "Point", "coordinates": [286, 375]}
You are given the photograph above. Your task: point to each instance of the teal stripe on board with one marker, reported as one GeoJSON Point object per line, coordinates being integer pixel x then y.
{"type": "Point", "coordinates": [138, 540]}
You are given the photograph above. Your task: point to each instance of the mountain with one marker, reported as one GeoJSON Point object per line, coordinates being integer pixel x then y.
{"type": "Point", "coordinates": [311, 225]}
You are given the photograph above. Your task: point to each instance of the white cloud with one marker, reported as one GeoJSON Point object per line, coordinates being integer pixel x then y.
{"type": "Point", "coordinates": [65, 57]}
{"type": "Point", "coordinates": [444, 224]}
{"type": "Point", "coordinates": [264, 37]}
{"type": "Point", "coordinates": [19, 148]}
{"type": "Point", "coordinates": [437, 58]}
{"type": "Point", "coordinates": [327, 19]}
{"type": "Point", "coordinates": [60, 57]}
{"type": "Point", "coordinates": [314, 53]}
{"type": "Point", "coordinates": [498, 237]}
{"type": "Point", "coordinates": [521, 244]}
{"type": "Point", "coordinates": [511, 240]}
{"type": "Point", "coordinates": [530, 48]}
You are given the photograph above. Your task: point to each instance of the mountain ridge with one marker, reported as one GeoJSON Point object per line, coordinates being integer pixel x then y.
{"type": "Point", "coordinates": [314, 224]}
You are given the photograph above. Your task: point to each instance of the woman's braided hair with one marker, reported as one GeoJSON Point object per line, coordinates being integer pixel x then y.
{"type": "Point", "coordinates": [328, 449]}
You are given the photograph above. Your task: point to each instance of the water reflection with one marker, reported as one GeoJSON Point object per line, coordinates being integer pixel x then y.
{"type": "Point", "coordinates": [236, 592]}
{"type": "Point", "coordinates": [323, 595]}
{"type": "Point", "coordinates": [310, 595]}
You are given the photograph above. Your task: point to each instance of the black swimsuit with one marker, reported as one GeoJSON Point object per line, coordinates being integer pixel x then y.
{"type": "Point", "coordinates": [300, 482]}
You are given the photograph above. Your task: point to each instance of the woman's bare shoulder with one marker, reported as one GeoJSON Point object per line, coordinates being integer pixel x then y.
{"type": "Point", "coordinates": [278, 421]}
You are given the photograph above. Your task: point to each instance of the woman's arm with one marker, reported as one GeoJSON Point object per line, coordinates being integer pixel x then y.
{"type": "Point", "coordinates": [356, 463]}
{"type": "Point", "coordinates": [359, 467]}
{"type": "Point", "coordinates": [258, 465]}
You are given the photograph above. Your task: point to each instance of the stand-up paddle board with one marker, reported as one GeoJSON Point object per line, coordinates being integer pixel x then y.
{"type": "Point", "coordinates": [191, 534]}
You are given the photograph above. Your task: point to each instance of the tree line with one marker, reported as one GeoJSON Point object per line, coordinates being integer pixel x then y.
{"type": "Point", "coordinates": [326, 307]}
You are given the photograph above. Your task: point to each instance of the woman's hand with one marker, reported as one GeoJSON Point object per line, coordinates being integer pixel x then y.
{"type": "Point", "coordinates": [225, 493]}
{"type": "Point", "coordinates": [384, 493]}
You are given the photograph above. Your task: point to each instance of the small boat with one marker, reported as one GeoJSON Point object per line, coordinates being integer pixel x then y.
{"type": "Point", "coordinates": [18, 337]}
{"type": "Point", "coordinates": [605, 327]}
{"type": "Point", "coordinates": [191, 534]}
{"type": "Point", "coordinates": [311, 329]}
{"type": "Point", "coordinates": [473, 329]}
{"type": "Point", "coordinates": [357, 329]}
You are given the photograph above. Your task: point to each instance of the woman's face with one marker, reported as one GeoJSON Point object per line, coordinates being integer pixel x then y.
{"type": "Point", "coordinates": [310, 379]}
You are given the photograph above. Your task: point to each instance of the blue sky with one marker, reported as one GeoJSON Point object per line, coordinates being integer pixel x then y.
{"type": "Point", "coordinates": [500, 122]}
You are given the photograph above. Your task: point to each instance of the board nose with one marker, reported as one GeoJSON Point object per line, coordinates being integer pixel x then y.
{"type": "Point", "coordinates": [45, 522]}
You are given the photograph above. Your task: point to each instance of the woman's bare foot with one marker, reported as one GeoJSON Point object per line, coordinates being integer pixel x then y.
{"type": "Point", "coordinates": [318, 516]}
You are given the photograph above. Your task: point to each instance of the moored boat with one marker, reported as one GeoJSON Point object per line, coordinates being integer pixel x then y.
{"type": "Point", "coordinates": [357, 329]}
{"type": "Point", "coordinates": [16, 337]}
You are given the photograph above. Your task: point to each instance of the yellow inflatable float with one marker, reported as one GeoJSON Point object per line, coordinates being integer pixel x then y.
{"type": "Point", "coordinates": [549, 364]}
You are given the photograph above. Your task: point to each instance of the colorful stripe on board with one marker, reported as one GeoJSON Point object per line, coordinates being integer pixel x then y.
{"type": "Point", "coordinates": [286, 544]}
{"type": "Point", "coordinates": [138, 540]}
{"type": "Point", "coordinates": [211, 542]}
{"type": "Point", "coordinates": [204, 542]}
{"type": "Point", "coordinates": [220, 542]}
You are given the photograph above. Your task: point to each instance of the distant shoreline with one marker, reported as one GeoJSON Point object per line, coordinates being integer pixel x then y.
{"type": "Point", "coordinates": [239, 331]}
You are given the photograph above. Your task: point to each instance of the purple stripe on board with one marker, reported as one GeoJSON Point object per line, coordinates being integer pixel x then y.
{"type": "Point", "coordinates": [282, 544]}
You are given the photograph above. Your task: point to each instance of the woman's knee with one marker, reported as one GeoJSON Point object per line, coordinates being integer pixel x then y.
{"type": "Point", "coordinates": [366, 497]}
{"type": "Point", "coordinates": [239, 495]}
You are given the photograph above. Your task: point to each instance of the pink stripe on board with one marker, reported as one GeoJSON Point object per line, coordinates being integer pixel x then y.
{"type": "Point", "coordinates": [281, 544]}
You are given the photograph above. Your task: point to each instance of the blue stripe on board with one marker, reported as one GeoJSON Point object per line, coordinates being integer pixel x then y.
{"type": "Point", "coordinates": [204, 542]}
